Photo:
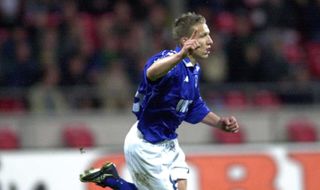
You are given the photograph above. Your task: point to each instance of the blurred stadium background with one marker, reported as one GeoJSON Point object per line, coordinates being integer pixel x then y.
{"type": "Point", "coordinates": [69, 69]}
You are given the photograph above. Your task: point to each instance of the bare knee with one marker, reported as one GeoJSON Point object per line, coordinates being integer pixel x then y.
{"type": "Point", "coordinates": [182, 184]}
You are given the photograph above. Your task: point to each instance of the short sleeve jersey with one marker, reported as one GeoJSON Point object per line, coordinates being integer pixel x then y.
{"type": "Point", "coordinates": [162, 105]}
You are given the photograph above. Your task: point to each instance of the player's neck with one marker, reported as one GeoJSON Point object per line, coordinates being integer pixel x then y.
{"type": "Point", "coordinates": [192, 59]}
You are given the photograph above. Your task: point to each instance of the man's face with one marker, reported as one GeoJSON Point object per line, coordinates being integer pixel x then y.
{"type": "Point", "coordinates": [205, 41]}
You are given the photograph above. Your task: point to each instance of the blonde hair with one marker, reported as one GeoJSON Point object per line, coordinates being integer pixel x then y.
{"type": "Point", "coordinates": [182, 26]}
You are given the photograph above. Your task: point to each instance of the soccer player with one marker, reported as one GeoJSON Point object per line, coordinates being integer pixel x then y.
{"type": "Point", "coordinates": [167, 95]}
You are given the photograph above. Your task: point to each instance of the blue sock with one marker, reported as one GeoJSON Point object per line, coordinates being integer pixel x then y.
{"type": "Point", "coordinates": [119, 184]}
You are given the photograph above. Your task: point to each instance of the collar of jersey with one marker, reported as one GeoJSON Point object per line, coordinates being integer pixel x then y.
{"type": "Point", "coordinates": [186, 60]}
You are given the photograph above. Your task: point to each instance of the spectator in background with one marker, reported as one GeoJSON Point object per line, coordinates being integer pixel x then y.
{"type": "Point", "coordinates": [96, 7]}
{"type": "Point", "coordinates": [75, 71]}
{"type": "Point", "coordinates": [253, 60]}
{"type": "Point", "coordinates": [49, 45]}
{"type": "Point", "coordinates": [311, 20]}
{"type": "Point", "coordinates": [235, 48]}
{"type": "Point", "coordinates": [76, 77]}
{"type": "Point", "coordinates": [157, 35]}
{"type": "Point", "coordinates": [275, 68]}
{"type": "Point", "coordinates": [280, 14]}
{"type": "Point", "coordinates": [10, 12]}
{"type": "Point", "coordinates": [215, 67]}
{"type": "Point", "coordinates": [4, 34]}
{"type": "Point", "coordinates": [21, 68]}
{"type": "Point", "coordinates": [34, 33]}
{"type": "Point", "coordinates": [46, 97]}
{"type": "Point", "coordinates": [115, 86]}
{"type": "Point", "coordinates": [108, 41]}
{"type": "Point", "coordinates": [71, 31]}
{"type": "Point", "coordinates": [122, 24]}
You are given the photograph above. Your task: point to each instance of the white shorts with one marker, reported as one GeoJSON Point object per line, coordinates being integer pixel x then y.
{"type": "Point", "coordinates": [154, 166]}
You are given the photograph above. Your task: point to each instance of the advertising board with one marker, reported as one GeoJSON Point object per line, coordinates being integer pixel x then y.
{"type": "Point", "coordinates": [244, 167]}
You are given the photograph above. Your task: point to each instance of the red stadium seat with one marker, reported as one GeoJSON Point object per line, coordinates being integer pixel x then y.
{"type": "Point", "coordinates": [225, 22]}
{"type": "Point", "coordinates": [8, 139]}
{"type": "Point", "coordinates": [266, 99]}
{"type": "Point", "coordinates": [12, 105]}
{"type": "Point", "coordinates": [313, 58]}
{"type": "Point", "coordinates": [293, 53]}
{"type": "Point", "coordinates": [299, 130]}
{"type": "Point", "coordinates": [76, 135]}
{"type": "Point", "coordinates": [228, 138]}
{"type": "Point", "coordinates": [235, 99]}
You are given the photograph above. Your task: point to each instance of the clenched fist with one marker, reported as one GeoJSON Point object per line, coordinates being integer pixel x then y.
{"type": "Point", "coordinates": [228, 124]}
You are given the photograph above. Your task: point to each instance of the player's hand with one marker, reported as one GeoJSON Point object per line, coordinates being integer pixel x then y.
{"type": "Point", "coordinates": [229, 124]}
{"type": "Point", "coordinates": [190, 44]}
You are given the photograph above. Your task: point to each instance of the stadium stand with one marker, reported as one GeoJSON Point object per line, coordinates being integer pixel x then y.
{"type": "Point", "coordinates": [235, 99]}
{"type": "Point", "coordinates": [301, 130]}
{"type": "Point", "coordinates": [313, 58]}
{"type": "Point", "coordinates": [10, 105]}
{"type": "Point", "coordinates": [76, 135]}
{"type": "Point", "coordinates": [9, 139]}
{"type": "Point", "coordinates": [228, 138]}
{"type": "Point", "coordinates": [266, 99]}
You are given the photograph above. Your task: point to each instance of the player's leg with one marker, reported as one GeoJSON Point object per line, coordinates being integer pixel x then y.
{"type": "Point", "coordinates": [144, 162]}
{"type": "Point", "coordinates": [149, 173]}
{"type": "Point", "coordinates": [150, 165]}
{"type": "Point", "coordinates": [182, 184]}
{"type": "Point", "coordinates": [179, 169]}
{"type": "Point", "coordinates": [106, 176]}
{"type": "Point", "coordinates": [152, 170]}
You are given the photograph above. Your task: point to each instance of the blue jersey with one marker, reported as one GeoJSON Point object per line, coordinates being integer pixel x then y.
{"type": "Point", "coordinates": [162, 105]}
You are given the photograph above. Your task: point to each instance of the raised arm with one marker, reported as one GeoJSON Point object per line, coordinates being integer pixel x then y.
{"type": "Point", "coordinates": [162, 66]}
